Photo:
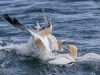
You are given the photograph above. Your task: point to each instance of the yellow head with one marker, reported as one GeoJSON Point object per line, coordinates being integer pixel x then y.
{"type": "Point", "coordinates": [73, 50]}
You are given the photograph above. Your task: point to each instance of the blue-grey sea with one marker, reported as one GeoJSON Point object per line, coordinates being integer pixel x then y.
{"type": "Point", "coordinates": [77, 21]}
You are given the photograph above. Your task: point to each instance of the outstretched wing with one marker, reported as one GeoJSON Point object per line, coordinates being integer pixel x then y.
{"type": "Point", "coordinates": [17, 24]}
{"type": "Point", "coordinates": [14, 22]}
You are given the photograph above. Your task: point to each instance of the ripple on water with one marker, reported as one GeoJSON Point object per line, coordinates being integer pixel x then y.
{"type": "Point", "coordinates": [74, 20]}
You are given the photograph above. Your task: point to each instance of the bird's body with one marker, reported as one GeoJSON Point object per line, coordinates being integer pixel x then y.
{"type": "Point", "coordinates": [59, 61]}
{"type": "Point", "coordinates": [62, 59]}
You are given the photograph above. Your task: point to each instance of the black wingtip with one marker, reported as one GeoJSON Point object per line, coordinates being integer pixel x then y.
{"type": "Point", "coordinates": [5, 15]}
{"type": "Point", "coordinates": [14, 22]}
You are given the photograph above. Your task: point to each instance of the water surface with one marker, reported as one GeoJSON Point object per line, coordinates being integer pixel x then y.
{"type": "Point", "coordinates": [77, 21]}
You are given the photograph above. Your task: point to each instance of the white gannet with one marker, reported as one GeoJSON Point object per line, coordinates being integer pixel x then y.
{"type": "Point", "coordinates": [73, 52]}
{"type": "Point", "coordinates": [38, 38]}
{"type": "Point", "coordinates": [53, 43]}
{"type": "Point", "coordinates": [65, 58]}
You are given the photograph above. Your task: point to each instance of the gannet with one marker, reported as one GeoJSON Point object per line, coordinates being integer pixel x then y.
{"type": "Point", "coordinates": [88, 56]}
{"type": "Point", "coordinates": [61, 59]}
{"type": "Point", "coordinates": [39, 38]}
{"type": "Point", "coordinates": [53, 43]}
{"type": "Point", "coordinates": [73, 52]}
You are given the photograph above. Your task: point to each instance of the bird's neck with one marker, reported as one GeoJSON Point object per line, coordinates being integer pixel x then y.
{"type": "Point", "coordinates": [73, 53]}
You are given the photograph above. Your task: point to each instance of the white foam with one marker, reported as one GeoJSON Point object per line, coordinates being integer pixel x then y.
{"type": "Point", "coordinates": [89, 57]}
{"type": "Point", "coordinates": [34, 52]}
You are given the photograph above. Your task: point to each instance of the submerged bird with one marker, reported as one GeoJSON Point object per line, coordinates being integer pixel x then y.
{"type": "Point", "coordinates": [38, 39]}
{"type": "Point", "coordinates": [61, 59]}
{"type": "Point", "coordinates": [42, 31]}
{"type": "Point", "coordinates": [73, 53]}
{"type": "Point", "coordinates": [72, 57]}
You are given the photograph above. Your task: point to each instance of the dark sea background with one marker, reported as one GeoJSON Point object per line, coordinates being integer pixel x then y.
{"type": "Point", "coordinates": [77, 21]}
